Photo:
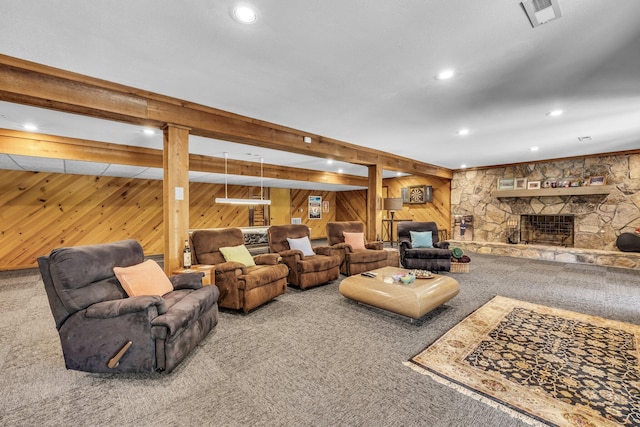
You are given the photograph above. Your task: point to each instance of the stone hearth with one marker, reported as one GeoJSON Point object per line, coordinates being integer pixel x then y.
{"type": "Point", "coordinates": [552, 253]}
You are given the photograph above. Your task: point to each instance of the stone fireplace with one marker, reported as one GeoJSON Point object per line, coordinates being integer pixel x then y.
{"type": "Point", "coordinates": [554, 230]}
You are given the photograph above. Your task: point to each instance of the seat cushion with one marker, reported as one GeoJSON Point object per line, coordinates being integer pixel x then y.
{"type": "Point", "coordinates": [366, 255]}
{"type": "Point", "coordinates": [261, 275]}
{"type": "Point", "coordinates": [428, 253]}
{"type": "Point", "coordinates": [318, 263]}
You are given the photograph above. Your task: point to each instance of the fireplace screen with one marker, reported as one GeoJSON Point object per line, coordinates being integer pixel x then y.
{"type": "Point", "coordinates": [556, 230]}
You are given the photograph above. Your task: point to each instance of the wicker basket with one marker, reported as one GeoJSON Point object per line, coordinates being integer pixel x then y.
{"type": "Point", "coordinates": [459, 267]}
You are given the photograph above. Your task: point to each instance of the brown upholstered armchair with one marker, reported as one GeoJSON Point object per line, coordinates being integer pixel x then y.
{"type": "Point", "coordinates": [314, 268]}
{"type": "Point", "coordinates": [241, 287]}
{"type": "Point", "coordinates": [435, 258]}
{"type": "Point", "coordinates": [352, 260]}
{"type": "Point", "coordinates": [102, 329]}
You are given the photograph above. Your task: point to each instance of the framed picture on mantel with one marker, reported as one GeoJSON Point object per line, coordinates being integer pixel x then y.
{"type": "Point", "coordinates": [505, 183]}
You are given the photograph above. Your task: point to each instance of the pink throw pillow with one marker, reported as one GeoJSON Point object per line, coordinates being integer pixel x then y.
{"type": "Point", "coordinates": [356, 240]}
{"type": "Point", "coordinates": [146, 278]}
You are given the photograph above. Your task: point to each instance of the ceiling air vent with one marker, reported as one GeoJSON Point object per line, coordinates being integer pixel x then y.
{"type": "Point", "coordinates": [541, 11]}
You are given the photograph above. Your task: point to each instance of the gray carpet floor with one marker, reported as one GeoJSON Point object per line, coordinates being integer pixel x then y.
{"type": "Point", "coordinates": [309, 358]}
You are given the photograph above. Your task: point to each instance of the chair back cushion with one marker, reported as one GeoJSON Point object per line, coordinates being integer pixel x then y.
{"type": "Point", "coordinates": [207, 244]}
{"type": "Point", "coordinates": [335, 230]}
{"type": "Point", "coordinates": [77, 277]}
{"type": "Point", "coordinates": [406, 227]}
{"type": "Point", "coordinates": [278, 235]}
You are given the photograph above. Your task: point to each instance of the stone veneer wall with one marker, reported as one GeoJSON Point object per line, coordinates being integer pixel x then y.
{"type": "Point", "coordinates": [599, 219]}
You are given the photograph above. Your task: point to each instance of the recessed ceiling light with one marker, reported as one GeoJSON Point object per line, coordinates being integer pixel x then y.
{"type": "Point", "coordinates": [463, 132]}
{"type": "Point", "coordinates": [30, 127]}
{"type": "Point", "coordinates": [339, 170]}
{"type": "Point", "coordinates": [463, 166]}
{"type": "Point", "coordinates": [555, 113]}
{"type": "Point", "coordinates": [534, 149]}
{"type": "Point", "coordinates": [329, 162]}
{"type": "Point", "coordinates": [149, 132]}
{"type": "Point", "coordinates": [445, 74]}
{"type": "Point", "coordinates": [244, 14]}
{"type": "Point", "coordinates": [398, 173]}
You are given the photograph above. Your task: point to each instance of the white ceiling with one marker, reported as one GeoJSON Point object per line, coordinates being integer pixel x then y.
{"type": "Point", "coordinates": [358, 71]}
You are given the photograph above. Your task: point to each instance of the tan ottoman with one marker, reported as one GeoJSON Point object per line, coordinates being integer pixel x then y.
{"type": "Point", "coordinates": [413, 300]}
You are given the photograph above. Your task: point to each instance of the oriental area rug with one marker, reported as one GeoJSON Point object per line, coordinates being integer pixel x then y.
{"type": "Point", "coordinates": [542, 365]}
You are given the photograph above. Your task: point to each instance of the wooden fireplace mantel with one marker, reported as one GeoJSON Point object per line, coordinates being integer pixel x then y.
{"type": "Point", "coordinates": [563, 191]}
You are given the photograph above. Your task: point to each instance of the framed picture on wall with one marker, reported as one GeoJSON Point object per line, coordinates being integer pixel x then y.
{"type": "Point", "coordinates": [315, 207]}
{"type": "Point", "coordinates": [533, 185]}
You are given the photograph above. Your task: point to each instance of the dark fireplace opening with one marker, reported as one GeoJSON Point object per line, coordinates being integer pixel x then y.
{"type": "Point", "coordinates": [556, 230]}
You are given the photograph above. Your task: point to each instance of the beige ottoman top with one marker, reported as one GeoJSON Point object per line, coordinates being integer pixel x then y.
{"type": "Point", "coordinates": [412, 300]}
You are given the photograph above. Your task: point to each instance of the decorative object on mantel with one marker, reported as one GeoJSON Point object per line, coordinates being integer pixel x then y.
{"type": "Point", "coordinates": [533, 185]}
{"type": "Point", "coordinates": [598, 180]}
{"type": "Point", "coordinates": [417, 194]}
{"type": "Point", "coordinates": [520, 183]}
{"type": "Point", "coordinates": [566, 191]}
{"type": "Point", "coordinates": [505, 183]}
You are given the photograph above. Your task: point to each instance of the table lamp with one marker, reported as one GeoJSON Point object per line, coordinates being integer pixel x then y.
{"type": "Point", "coordinates": [392, 204]}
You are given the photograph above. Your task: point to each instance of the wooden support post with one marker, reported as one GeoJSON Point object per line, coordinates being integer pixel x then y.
{"type": "Point", "coordinates": [175, 193]}
{"type": "Point", "coordinates": [374, 203]}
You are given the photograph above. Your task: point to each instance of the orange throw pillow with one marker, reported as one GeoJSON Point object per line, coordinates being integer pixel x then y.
{"type": "Point", "coordinates": [356, 240]}
{"type": "Point", "coordinates": [146, 278]}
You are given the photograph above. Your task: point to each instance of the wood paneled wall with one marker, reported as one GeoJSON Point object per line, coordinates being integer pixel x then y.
{"type": "Point", "coordinates": [41, 211]}
{"type": "Point", "coordinates": [439, 210]}
{"type": "Point", "coordinates": [352, 205]}
{"type": "Point", "coordinates": [300, 209]}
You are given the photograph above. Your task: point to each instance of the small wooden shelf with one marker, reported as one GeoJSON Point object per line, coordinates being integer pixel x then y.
{"type": "Point", "coordinates": [564, 191]}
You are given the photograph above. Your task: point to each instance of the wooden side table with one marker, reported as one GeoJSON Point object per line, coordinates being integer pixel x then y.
{"type": "Point", "coordinates": [208, 271]}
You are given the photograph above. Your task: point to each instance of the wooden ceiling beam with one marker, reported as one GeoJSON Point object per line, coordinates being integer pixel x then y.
{"type": "Point", "coordinates": [34, 84]}
{"type": "Point", "coordinates": [64, 148]}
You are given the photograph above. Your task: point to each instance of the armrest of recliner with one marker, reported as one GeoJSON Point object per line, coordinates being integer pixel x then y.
{"type": "Point", "coordinates": [267, 259]}
{"type": "Point", "coordinates": [441, 245]}
{"type": "Point", "coordinates": [405, 244]}
{"type": "Point", "coordinates": [228, 266]}
{"type": "Point", "coordinates": [187, 280]}
{"type": "Point", "coordinates": [119, 307]}
{"type": "Point", "coordinates": [323, 250]}
{"type": "Point", "coordinates": [291, 256]}
{"type": "Point", "coordinates": [374, 245]}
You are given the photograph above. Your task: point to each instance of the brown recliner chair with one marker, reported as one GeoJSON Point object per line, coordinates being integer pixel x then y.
{"type": "Point", "coordinates": [436, 258]}
{"type": "Point", "coordinates": [102, 329]}
{"type": "Point", "coordinates": [354, 261]}
{"type": "Point", "coordinates": [241, 287]}
{"type": "Point", "coordinates": [315, 268]}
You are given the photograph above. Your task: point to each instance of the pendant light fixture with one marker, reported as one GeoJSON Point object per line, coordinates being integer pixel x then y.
{"type": "Point", "coordinates": [229, 201]}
